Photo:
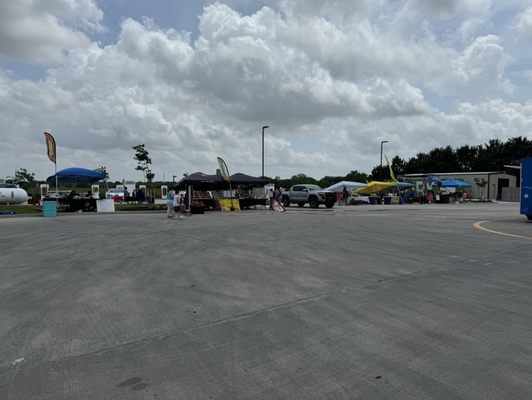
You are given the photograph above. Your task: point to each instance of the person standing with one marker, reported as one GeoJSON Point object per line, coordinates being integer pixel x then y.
{"type": "Point", "coordinates": [271, 197]}
{"type": "Point", "coordinates": [141, 197]}
{"type": "Point", "coordinates": [182, 206]}
{"type": "Point", "coordinates": [176, 206]}
{"type": "Point", "coordinates": [345, 194]}
{"type": "Point", "coordinates": [170, 203]}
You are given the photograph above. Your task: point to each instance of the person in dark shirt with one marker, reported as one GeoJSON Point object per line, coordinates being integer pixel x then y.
{"type": "Point", "coordinates": [73, 195]}
{"type": "Point", "coordinates": [345, 195]}
{"type": "Point", "coordinates": [141, 197]}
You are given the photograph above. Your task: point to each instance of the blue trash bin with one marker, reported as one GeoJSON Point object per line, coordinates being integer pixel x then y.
{"type": "Point", "coordinates": [49, 208]}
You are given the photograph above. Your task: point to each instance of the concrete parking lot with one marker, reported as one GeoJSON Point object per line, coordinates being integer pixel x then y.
{"type": "Point", "coordinates": [356, 302]}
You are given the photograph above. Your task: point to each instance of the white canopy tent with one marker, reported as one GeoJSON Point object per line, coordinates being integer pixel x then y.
{"type": "Point", "coordinates": [350, 185]}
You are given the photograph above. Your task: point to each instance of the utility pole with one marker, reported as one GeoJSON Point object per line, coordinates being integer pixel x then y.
{"type": "Point", "coordinates": [264, 127]}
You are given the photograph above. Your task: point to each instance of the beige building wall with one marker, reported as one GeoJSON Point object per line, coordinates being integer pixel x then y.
{"type": "Point", "coordinates": [495, 181]}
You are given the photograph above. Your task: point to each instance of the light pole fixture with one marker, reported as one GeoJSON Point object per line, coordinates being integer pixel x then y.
{"type": "Point", "coordinates": [384, 141]}
{"type": "Point", "coordinates": [264, 127]}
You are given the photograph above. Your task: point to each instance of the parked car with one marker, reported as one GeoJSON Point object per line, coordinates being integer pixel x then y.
{"type": "Point", "coordinates": [117, 195]}
{"type": "Point", "coordinates": [312, 194]}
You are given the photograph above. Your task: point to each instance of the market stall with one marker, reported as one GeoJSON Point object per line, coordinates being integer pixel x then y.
{"type": "Point", "coordinates": [245, 193]}
{"type": "Point", "coordinates": [207, 190]}
{"type": "Point", "coordinates": [74, 201]}
{"type": "Point", "coordinates": [375, 188]}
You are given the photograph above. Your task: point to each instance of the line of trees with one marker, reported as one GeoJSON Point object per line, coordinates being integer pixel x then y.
{"type": "Point", "coordinates": [324, 182]}
{"type": "Point", "coordinates": [492, 156]}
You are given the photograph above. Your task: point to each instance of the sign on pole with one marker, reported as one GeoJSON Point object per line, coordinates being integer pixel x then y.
{"type": "Point", "coordinates": [223, 169]}
{"type": "Point", "coordinates": [52, 153]}
{"type": "Point", "coordinates": [225, 174]}
{"type": "Point", "coordinates": [50, 147]}
{"type": "Point", "coordinates": [392, 175]}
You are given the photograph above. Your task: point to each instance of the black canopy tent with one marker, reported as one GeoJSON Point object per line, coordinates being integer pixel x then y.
{"type": "Point", "coordinates": [204, 182]}
{"type": "Point", "coordinates": [244, 180]}
{"type": "Point", "coordinates": [201, 181]}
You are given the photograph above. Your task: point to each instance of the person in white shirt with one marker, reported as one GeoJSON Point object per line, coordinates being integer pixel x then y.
{"type": "Point", "coordinates": [177, 205]}
{"type": "Point", "coordinates": [170, 203]}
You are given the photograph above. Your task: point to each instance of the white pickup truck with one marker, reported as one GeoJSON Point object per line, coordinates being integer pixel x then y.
{"type": "Point", "coordinates": [311, 194]}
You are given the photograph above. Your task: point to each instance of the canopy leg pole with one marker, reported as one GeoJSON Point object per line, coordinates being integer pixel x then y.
{"type": "Point", "coordinates": [231, 195]}
{"type": "Point", "coordinates": [189, 192]}
{"type": "Point", "coordinates": [56, 190]}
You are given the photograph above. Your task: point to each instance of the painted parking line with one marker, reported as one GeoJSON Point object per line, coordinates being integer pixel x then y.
{"type": "Point", "coordinates": [478, 225]}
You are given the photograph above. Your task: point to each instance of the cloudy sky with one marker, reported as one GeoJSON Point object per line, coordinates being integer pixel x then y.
{"type": "Point", "coordinates": [198, 79]}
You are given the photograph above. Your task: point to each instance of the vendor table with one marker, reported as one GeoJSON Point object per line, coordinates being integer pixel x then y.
{"type": "Point", "coordinates": [73, 205]}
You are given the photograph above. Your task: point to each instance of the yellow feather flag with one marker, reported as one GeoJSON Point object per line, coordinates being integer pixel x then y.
{"type": "Point", "coordinates": [390, 167]}
{"type": "Point", "coordinates": [223, 169]}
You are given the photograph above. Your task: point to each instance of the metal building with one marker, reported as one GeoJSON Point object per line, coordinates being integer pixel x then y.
{"type": "Point", "coordinates": [493, 185]}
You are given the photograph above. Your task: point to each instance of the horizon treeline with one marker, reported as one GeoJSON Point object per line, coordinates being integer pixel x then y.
{"type": "Point", "coordinates": [491, 156]}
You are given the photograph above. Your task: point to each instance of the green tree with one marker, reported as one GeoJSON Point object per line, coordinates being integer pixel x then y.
{"type": "Point", "coordinates": [143, 162]}
{"type": "Point", "coordinates": [103, 170]}
{"type": "Point", "coordinates": [302, 178]}
{"type": "Point", "coordinates": [398, 166]}
{"type": "Point", "coordinates": [379, 173]}
{"type": "Point", "coordinates": [294, 180]}
{"type": "Point", "coordinates": [25, 179]}
{"type": "Point", "coordinates": [443, 159]}
{"type": "Point", "coordinates": [327, 181]}
{"type": "Point", "coordinates": [466, 157]}
{"type": "Point", "coordinates": [149, 176]}
{"type": "Point", "coordinates": [421, 163]}
{"type": "Point", "coordinates": [490, 155]}
{"type": "Point", "coordinates": [356, 176]}
{"type": "Point", "coordinates": [516, 149]}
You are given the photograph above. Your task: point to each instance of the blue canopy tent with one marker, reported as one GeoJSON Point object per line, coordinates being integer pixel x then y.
{"type": "Point", "coordinates": [455, 183]}
{"type": "Point", "coordinates": [76, 175]}
{"type": "Point", "coordinates": [431, 179]}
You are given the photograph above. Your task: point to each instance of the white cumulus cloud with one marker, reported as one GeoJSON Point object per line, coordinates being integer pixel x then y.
{"type": "Point", "coordinates": [524, 24]}
{"type": "Point", "coordinates": [41, 30]}
{"type": "Point", "coordinates": [330, 86]}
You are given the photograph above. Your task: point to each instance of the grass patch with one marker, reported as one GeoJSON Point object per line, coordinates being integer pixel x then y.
{"type": "Point", "coordinates": [20, 209]}
{"type": "Point", "coordinates": [30, 209]}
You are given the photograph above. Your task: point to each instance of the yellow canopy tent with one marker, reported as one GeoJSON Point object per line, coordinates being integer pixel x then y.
{"type": "Point", "coordinates": [375, 186]}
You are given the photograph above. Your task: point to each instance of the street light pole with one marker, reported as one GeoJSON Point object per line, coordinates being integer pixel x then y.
{"type": "Point", "coordinates": [264, 127]}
